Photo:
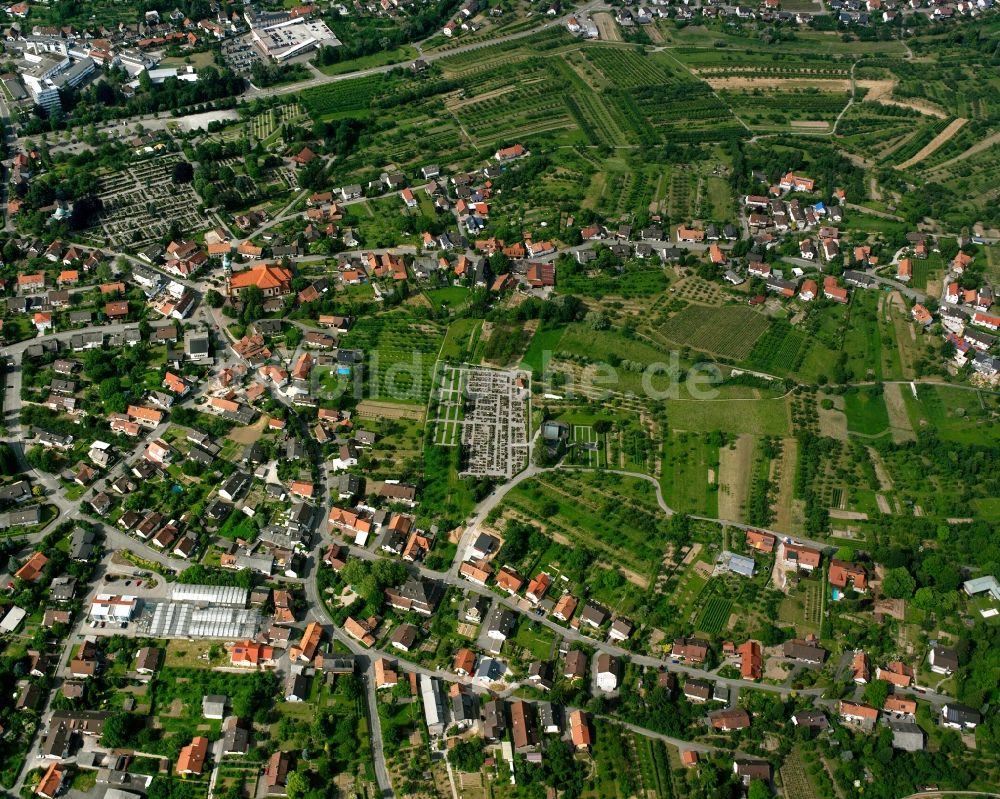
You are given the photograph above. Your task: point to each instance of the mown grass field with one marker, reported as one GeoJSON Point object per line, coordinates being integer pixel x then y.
{"type": "Point", "coordinates": [866, 412]}
{"type": "Point", "coordinates": [757, 417]}
{"type": "Point", "coordinates": [687, 459]}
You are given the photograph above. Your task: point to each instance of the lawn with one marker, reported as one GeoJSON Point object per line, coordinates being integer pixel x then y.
{"type": "Point", "coordinates": [866, 411]}
{"type": "Point", "coordinates": [616, 774]}
{"type": "Point", "coordinates": [450, 297]}
{"type": "Point", "coordinates": [460, 339]}
{"type": "Point", "coordinates": [176, 696]}
{"type": "Point", "coordinates": [864, 340]}
{"type": "Point", "coordinates": [955, 414]}
{"type": "Point", "coordinates": [238, 525]}
{"type": "Point", "coordinates": [535, 639]}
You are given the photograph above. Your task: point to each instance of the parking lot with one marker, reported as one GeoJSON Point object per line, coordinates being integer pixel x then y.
{"type": "Point", "coordinates": [240, 54]}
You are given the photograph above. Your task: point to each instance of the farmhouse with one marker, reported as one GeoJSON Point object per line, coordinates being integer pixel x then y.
{"type": "Point", "coordinates": [694, 650]}
{"type": "Point", "coordinates": [801, 557]}
{"type": "Point", "coordinates": [859, 713]}
{"type": "Point", "coordinates": [689, 235]}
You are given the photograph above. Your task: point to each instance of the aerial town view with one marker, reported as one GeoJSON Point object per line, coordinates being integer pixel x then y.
{"type": "Point", "coordinates": [522, 399]}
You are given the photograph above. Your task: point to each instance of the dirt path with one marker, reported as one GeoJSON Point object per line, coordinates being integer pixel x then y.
{"type": "Point", "coordinates": [876, 195]}
{"type": "Point", "coordinates": [735, 464]}
{"type": "Point", "coordinates": [607, 28]}
{"type": "Point", "coordinates": [689, 558]}
{"type": "Point", "coordinates": [850, 515]}
{"type": "Point", "coordinates": [777, 84]}
{"type": "Point", "coordinates": [884, 481]}
{"type": "Point", "coordinates": [934, 143]}
{"type": "Point", "coordinates": [784, 520]}
{"type": "Point", "coordinates": [899, 419]}
{"type": "Point", "coordinates": [389, 410]}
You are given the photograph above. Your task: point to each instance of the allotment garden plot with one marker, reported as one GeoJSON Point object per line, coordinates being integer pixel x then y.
{"type": "Point", "coordinates": [141, 201]}
{"type": "Point", "coordinates": [486, 412]}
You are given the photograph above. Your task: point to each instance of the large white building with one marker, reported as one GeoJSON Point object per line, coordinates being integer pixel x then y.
{"type": "Point", "coordinates": [114, 608]}
{"type": "Point", "coordinates": [45, 73]}
{"type": "Point", "coordinates": [281, 35]}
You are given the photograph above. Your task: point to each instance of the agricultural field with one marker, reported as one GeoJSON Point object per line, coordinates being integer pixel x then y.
{"type": "Point", "coordinates": [714, 615]}
{"type": "Point", "coordinates": [628, 67]}
{"type": "Point", "coordinates": [795, 779]}
{"type": "Point", "coordinates": [768, 109]}
{"type": "Point", "coordinates": [638, 280]}
{"type": "Point", "coordinates": [728, 331]}
{"type": "Point", "coordinates": [734, 416]}
{"type": "Point", "coordinates": [802, 607]}
{"type": "Point", "coordinates": [490, 101]}
{"type": "Point", "coordinates": [334, 100]}
{"type": "Point", "coordinates": [781, 350]}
